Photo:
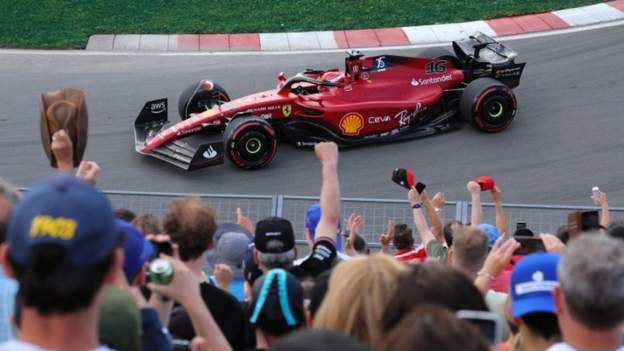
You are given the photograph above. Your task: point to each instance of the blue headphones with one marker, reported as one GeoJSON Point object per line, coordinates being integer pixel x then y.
{"type": "Point", "coordinates": [282, 293]}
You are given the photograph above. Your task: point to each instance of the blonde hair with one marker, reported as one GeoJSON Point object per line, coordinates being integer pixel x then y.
{"type": "Point", "coordinates": [358, 292]}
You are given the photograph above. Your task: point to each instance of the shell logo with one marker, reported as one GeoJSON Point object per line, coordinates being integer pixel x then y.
{"type": "Point", "coordinates": [351, 123]}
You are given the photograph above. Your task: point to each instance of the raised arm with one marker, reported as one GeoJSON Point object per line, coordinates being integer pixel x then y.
{"type": "Point", "coordinates": [63, 151]}
{"type": "Point", "coordinates": [419, 219]}
{"type": "Point", "coordinates": [497, 199]}
{"type": "Point", "coordinates": [476, 212]}
{"type": "Point", "coordinates": [184, 288]}
{"type": "Point", "coordinates": [495, 262]}
{"type": "Point", "coordinates": [434, 217]}
{"type": "Point", "coordinates": [327, 154]}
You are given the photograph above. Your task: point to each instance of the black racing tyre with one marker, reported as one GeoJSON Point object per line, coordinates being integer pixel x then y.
{"type": "Point", "coordinates": [488, 105]}
{"type": "Point", "coordinates": [200, 96]}
{"type": "Point", "coordinates": [250, 142]}
{"type": "Point", "coordinates": [439, 53]}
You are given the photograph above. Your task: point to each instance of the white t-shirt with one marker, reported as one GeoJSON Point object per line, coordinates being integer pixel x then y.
{"type": "Point", "coordinates": [15, 345]}
{"type": "Point", "coordinates": [565, 347]}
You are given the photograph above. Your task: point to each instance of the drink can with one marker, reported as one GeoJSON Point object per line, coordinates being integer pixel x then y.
{"type": "Point", "coordinates": [160, 272]}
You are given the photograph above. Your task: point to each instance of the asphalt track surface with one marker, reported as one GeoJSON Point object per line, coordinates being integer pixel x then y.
{"type": "Point", "coordinates": [567, 137]}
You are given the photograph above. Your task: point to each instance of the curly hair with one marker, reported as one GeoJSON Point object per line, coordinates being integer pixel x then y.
{"type": "Point", "coordinates": [191, 224]}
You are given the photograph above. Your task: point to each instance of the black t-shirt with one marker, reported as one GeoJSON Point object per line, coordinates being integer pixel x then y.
{"type": "Point", "coordinates": [225, 310]}
{"type": "Point", "coordinates": [321, 259]}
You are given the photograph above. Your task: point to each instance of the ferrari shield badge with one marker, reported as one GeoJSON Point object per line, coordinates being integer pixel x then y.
{"type": "Point", "coordinates": [351, 123]}
{"type": "Point", "coordinates": [286, 110]}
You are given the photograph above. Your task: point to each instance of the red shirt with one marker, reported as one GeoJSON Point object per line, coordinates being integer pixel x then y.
{"type": "Point", "coordinates": [501, 282]}
{"type": "Point", "coordinates": [411, 255]}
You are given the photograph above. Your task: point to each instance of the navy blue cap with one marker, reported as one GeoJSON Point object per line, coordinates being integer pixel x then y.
{"type": "Point", "coordinates": [65, 211]}
{"type": "Point", "coordinates": [137, 250]}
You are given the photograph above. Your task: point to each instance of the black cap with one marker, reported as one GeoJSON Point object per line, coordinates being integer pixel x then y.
{"type": "Point", "coordinates": [274, 229]}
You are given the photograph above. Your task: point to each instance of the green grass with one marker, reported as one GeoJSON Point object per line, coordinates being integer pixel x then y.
{"type": "Point", "coordinates": [69, 23]}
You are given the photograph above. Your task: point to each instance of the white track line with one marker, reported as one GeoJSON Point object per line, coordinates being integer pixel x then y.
{"type": "Point", "coordinates": [300, 52]}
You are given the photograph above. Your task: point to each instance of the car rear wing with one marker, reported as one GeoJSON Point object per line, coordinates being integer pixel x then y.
{"type": "Point", "coordinates": [483, 48]}
{"type": "Point", "coordinates": [483, 56]}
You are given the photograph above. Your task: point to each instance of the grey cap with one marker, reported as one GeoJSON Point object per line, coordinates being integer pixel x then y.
{"type": "Point", "coordinates": [231, 241]}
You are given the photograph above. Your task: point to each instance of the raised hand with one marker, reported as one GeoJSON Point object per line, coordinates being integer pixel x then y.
{"type": "Point", "coordinates": [497, 195]}
{"type": "Point", "coordinates": [413, 196]}
{"type": "Point", "coordinates": [552, 244]}
{"type": "Point", "coordinates": [88, 171]}
{"type": "Point", "coordinates": [244, 221]}
{"type": "Point", "coordinates": [499, 256]}
{"type": "Point", "coordinates": [473, 187]}
{"type": "Point", "coordinates": [438, 200]}
{"type": "Point", "coordinates": [223, 276]}
{"type": "Point", "coordinates": [63, 150]}
{"type": "Point", "coordinates": [385, 239]}
{"type": "Point", "coordinates": [326, 152]}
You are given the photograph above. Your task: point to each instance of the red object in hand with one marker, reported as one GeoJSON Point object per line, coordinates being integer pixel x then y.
{"type": "Point", "coordinates": [485, 182]}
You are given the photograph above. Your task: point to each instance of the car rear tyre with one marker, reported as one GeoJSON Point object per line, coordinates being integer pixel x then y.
{"type": "Point", "coordinates": [250, 142]}
{"type": "Point", "coordinates": [438, 53]}
{"type": "Point", "coordinates": [199, 97]}
{"type": "Point", "coordinates": [488, 105]}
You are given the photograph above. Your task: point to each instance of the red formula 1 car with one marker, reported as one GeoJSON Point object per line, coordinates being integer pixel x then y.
{"type": "Point", "coordinates": [376, 99]}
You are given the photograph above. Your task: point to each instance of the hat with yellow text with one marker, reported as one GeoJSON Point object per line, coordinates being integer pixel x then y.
{"type": "Point", "coordinates": [67, 212]}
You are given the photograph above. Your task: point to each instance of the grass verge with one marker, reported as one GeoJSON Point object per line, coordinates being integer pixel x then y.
{"type": "Point", "coordinates": [69, 23]}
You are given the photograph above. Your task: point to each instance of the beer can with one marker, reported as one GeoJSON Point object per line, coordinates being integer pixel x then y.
{"type": "Point", "coordinates": [160, 272]}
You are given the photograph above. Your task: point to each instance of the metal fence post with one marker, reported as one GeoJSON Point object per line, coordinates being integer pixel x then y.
{"type": "Point", "coordinates": [278, 205]}
{"type": "Point", "coordinates": [461, 212]}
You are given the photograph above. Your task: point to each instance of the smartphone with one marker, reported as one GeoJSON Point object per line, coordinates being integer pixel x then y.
{"type": "Point", "coordinates": [162, 247]}
{"type": "Point", "coordinates": [528, 245]}
{"type": "Point", "coordinates": [420, 187]}
{"type": "Point", "coordinates": [490, 324]}
{"type": "Point", "coordinates": [582, 221]}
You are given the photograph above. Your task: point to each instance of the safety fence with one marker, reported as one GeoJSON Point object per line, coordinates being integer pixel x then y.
{"type": "Point", "coordinates": [376, 212]}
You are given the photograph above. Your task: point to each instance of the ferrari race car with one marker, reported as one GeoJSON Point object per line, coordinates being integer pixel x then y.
{"type": "Point", "coordinates": [375, 99]}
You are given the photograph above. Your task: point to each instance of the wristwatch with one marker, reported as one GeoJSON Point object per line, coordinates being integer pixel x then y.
{"type": "Point", "coordinates": [417, 205]}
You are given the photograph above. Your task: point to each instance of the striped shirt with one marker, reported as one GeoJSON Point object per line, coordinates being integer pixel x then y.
{"type": "Point", "coordinates": [411, 255]}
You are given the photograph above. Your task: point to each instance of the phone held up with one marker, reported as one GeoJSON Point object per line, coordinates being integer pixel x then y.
{"type": "Point", "coordinates": [490, 324]}
{"type": "Point", "coordinates": [582, 221]}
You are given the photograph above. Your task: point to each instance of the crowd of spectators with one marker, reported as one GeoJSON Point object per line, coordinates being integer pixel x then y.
{"type": "Point", "coordinates": [79, 275]}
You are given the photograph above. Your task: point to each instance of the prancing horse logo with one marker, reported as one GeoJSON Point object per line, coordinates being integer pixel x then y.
{"type": "Point", "coordinates": [286, 110]}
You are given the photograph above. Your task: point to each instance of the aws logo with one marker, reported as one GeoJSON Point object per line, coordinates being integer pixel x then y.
{"type": "Point", "coordinates": [53, 227]}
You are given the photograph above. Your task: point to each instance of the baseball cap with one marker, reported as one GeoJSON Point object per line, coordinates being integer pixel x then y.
{"type": "Point", "coordinates": [532, 282]}
{"type": "Point", "coordinates": [65, 211]}
{"type": "Point", "coordinates": [137, 250]}
{"type": "Point", "coordinates": [274, 228]}
{"type": "Point", "coordinates": [315, 340]}
{"type": "Point", "coordinates": [277, 302]}
{"type": "Point", "coordinates": [312, 219]}
{"type": "Point", "coordinates": [231, 244]}
{"type": "Point", "coordinates": [491, 232]}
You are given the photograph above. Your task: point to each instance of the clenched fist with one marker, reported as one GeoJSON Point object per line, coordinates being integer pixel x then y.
{"type": "Point", "coordinates": [326, 152]}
